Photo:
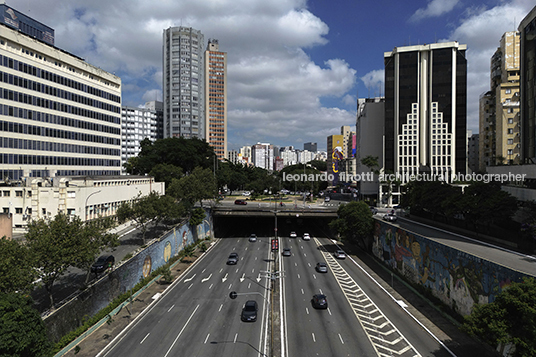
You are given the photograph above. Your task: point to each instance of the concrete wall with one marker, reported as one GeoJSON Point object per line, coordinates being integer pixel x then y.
{"type": "Point", "coordinates": [69, 316]}
{"type": "Point", "coordinates": [6, 224]}
{"type": "Point", "coordinates": [458, 279]}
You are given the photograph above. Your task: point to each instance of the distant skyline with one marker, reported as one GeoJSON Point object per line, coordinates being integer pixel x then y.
{"type": "Point", "coordinates": [295, 67]}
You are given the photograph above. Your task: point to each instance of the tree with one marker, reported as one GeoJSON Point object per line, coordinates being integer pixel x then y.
{"type": "Point", "coordinates": [22, 331]}
{"type": "Point", "coordinates": [354, 222]}
{"type": "Point", "coordinates": [16, 270]}
{"type": "Point", "coordinates": [197, 217]}
{"type": "Point", "coordinates": [55, 245]}
{"type": "Point", "coordinates": [164, 172]}
{"type": "Point", "coordinates": [510, 319]}
{"type": "Point", "coordinates": [372, 163]}
{"type": "Point", "coordinates": [200, 184]}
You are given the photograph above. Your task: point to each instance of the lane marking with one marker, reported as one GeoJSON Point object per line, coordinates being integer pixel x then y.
{"type": "Point", "coordinates": [145, 338]}
{"type": "Point", "coordinates": [171, 308]}
{"type": "Point", "coordinates": [206, 279]}
{"type": "Point", "coordinates": [206, 339]}
{"type": "Point", "coordinates": [180, 333]}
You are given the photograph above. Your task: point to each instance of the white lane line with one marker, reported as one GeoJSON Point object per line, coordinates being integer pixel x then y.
{"type": "Point", "coordinates": [252, 270]}
{"type": "Point", "coordinates": [205, 279]}
{"type": "Point", "coordinates": [307, 310]}
{"type": "Point", "coordinates": [329, 311]}
{"type": "Point", "coordinates": [236, 270]}
{"type": "Point", "coordinates": [221, 270]}
{"type": "Point", "coordinates": [302, 292]}
{"type": "Point", "coordinates": [203, 271]}
{"type": "Point", "coordinates": [187, 280]}
{"type": "Point", "coordinates": [230, 286]}
{"type": "Point", "coordinates": [298, 276]}
{"type": "Point", "coordinates": [190, 286]}
{"type": "Point", "coordinates": [341, 339]}
{"type": "Point", "coordinates": [309, 264]}
{"type": "Point", "coordinates": [180, 333]}
{"type": "Point", "coordinates": [206, 339]}
{"type": "Point", "coordinates": [249, 285]}
{"type": "Point", "coordinates": [314, 339]}
{"type": "Point", "coordinates": [145, 338]}
{"type": "Point", "coordinates": [220, 307]}
{"type": "Point", "coordinates": [210, 287]}
{"type": "Point", "coordinates": [171, 308]}
{"type": "Point", "coordinates": [314, 276]}
{"type": "Point", "coordinates": [235, 337]}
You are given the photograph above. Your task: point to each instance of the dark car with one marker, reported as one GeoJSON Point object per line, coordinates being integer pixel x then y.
{"type": "Point", "coordinates": [319, 301]}
{"type": "Point", "coordinates": [240, 202]}
{"type": "Point", "coordinates": [286, 252]}
{"type": "Point", "coordinates": [233, 259]}
{"type": "Point", "coordinates": [104, 262]}
{"type": "Point", "coordinates": [321, 267]}
{"type": "Point", "coordinates": [249, 311]}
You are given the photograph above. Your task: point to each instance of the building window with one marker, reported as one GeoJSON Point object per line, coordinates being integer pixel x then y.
{"type": "Point", "coordinates": [18, 193]}
{"type": "Point", "coordinates": [44, 210]}
{"type": "Point", "coordinates": [6, 193]}
{"type": "Point", "coordinates": [510, 120]}
{"type": "Point", "coordinates": [5, 210]}
{"type": "Point", "coordinates": [510, 141]}
{"type": "Point", "coordinates": [18, 210]}
{"type": "Point", "coordinates": [508, 91]}
{"type": "Point", "coordinates": [510, 131]}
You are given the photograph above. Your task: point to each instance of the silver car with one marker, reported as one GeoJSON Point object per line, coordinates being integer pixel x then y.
{"type": "Point", "coordinates": [321, 267]}
{"type": "Point", "coordinates": [340, 254]}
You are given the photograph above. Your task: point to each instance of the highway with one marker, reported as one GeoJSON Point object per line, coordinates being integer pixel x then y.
{"type": "Point", "coordinates": [196, 317]}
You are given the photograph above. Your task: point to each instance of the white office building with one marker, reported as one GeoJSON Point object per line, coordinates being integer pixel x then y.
{"type": "Point", "coordinates": [137, 124]}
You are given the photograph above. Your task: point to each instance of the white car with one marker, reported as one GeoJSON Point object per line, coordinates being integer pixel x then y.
{"type": "Point", "coordinates": [306, 236]}
{"type": "Point", "coordinates": [389, 217]}
{"type": "Point", "coordinates": [293, 234]}
{"type": "Point", "coordinates": [340, 254]}
{"type": "Point", "coordinates": [246, 193]}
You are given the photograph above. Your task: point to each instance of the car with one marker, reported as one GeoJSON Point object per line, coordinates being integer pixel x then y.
{"type": "Point", "coordinates": [240, 202]}
{"type": "Point", "coordinates": [102, 264]}
{"type": "Point", "coordinates": [249, 311]}
{"type": "Point", "coordinates": [246, 193]}
{"type": "Point", "coordinates": [373, 210]}
{"type": "Point", "coordinates": [293, 234]}
{"type": "Point", "coordinates": [286, 252]}
{"type": "Point", "coordinates": [321, 267]}
{"type": "Point", "coordinates": [233, 259]}
{"type": "Point", "coordinates": [327, 199]}
{"type": "Point", "coordinates": [340, 254]}
{"type": "Point", "coordinates": [389, 217]}
{"type": "Point", "coordinates": [253, 238]}
{"type": "Point", "coordinates": [319, 301]}
{"type": "Point", "coordinates": [306, 236]}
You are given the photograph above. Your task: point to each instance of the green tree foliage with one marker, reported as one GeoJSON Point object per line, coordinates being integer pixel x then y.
{"type": "Point", "coordinates": [311, 174]}
{"type": "Point", "coordinates": [55, 245]}
{"type": "Point", "coordinates": [233, 176]}
{"type": "Point", "coordinates": [511, 318]}
{"type": "Point", "coordinates": [319, 165]}
{"type": "Point", "coordinates": [200, 184]}
{"type": "Point", "coordinates": [354, 222]}
{"type": "Point", "coordinates": [197, 216]}
{"type": "Point", "coordinates": [179, 152]}
{"type": "Point", "coordinates": [372, 163]}
{"type": "Point", "coordinates": [16, 269]}
{"type": "Point", "coordinates": [164, 172]}
{"type": "Point", "coordinates": [22, 331]}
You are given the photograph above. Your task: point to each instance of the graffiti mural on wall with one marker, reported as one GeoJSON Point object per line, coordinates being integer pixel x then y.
{"type": "Point", "coordinates": [458, 279]}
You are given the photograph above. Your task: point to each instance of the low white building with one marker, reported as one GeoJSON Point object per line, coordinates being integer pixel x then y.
{"type": "Point", "coordinates": [84, 196]}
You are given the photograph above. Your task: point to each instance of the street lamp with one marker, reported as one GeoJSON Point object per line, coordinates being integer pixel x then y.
{"type": "Point", "coordinates": [87, 198]}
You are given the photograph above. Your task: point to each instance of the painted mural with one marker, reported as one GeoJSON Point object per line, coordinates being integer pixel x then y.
{"type": "Point", "coordinates": [458, 279]}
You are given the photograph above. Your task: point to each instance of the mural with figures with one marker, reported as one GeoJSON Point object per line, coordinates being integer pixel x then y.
{"type": "Point", "coordinates": [458, 279]}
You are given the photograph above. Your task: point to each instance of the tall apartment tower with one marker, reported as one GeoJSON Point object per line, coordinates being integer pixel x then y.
{"type": "Point", "coordinates": [216, 98]}
{"type": "Point", "coordinates": [527, 30]}
{"type": "Point", "coordinates": [157, 107]}
{"type": "Point", "coordinates": [505, 86]}
{"type": "Point", "coordinates": [426, 109]}
{"type": "Point", "coordinates": [137, 124]}
{"type": "Point", "coordinates": [262, 155]}
{"type": "Point", "coordinates": [486, 129]}
{"type": "Point", "coordinates": [183, 83]}
{"type": "Point", "coordinates": [59, 115]}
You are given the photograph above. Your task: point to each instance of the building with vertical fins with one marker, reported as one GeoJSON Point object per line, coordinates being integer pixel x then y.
{"type": "Point", "coordinates": [216, 98]}
{"type": "Point", "coordinates": [183, 83]}
{"type": "Point", "coordinates": [137, 124]}
{"type": "Point", "coordinates": [426, 110]}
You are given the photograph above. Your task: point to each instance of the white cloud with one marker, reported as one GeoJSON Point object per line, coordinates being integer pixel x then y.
{"type": "Point", "coordinates": [435, 8]}
{"type": "Point", "coordinates": [374, 81]}
{"type": "Point", "coordinates": [482, 30]}
{"type": "Point", "coordinates": [274, 88]}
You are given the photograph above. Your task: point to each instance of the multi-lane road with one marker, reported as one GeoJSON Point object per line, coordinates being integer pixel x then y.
{"type": "Point", "coordinates": [196, 316]}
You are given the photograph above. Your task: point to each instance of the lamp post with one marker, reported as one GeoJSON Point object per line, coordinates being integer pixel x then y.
{"type": "Point", "coordinates": [87, 198]}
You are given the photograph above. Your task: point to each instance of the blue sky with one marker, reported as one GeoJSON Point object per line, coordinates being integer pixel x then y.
{"type": "Point", "coordinates": [295, 67]}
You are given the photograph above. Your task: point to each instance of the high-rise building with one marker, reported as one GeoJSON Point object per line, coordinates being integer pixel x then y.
{"type": "Point", "coordinates": [505, 89]}
{"type": "Point", "coordinates": [262, 155]}
{"type": "Point", "coordinates": [137, 124]}
{"type": "Point", "coordinates": [158, 108]}
{"type": "Point", "coordinates": [310, 147]}
{"type": "Point", "coordinates": [216, 98]}
{"type": "Point", "coordinates": [183, 83]}
{"type": "Point", "coordinates": [334, 157]}
{"type": "Point", "coordinates": [426, 109]}
{"type": "Point", "coordinates": [527, 30]}
{"type": "Point", "coordinates": [59, 115]}
{"type": "Point", "coordinates": [472, 152]}
{"type": "Point", "coordinates": [486, 129]}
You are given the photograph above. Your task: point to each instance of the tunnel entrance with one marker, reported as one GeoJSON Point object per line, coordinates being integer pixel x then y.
{"type": "Point", "coordinates": [263, 226]}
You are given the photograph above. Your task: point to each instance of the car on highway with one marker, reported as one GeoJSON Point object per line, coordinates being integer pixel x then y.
{"type": "Point", "coordinates": [240, 202]}
{"type": "Point", "coordinates": [373, 210]}
{"type": "Point", "coordinates": [246, 193]}
{"type": "Point", "coordinates": [306, 236]}
{"type": "Point", "coordinates": [253, 238]}
{"type": "Point", "coordinates": [102, 264]}
{"type": "Point", "coordinates": [293, 234]}
{"type": "Point", "coordinates": [319, 301]}
{"type": "Point", "coordinates": [340, 254]}
{"type": "Point", "coordinates": [321, 267]}
{"type": "Point", "coordinates": [233, 259]}
{"type": "Point", "coordinates": [249, 311]}
{"type": "Point", "coordinates": [389, 217]}
{"type": "Point", "coordinates": [287, 252]}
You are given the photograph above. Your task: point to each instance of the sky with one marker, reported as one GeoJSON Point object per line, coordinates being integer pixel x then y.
{"type": "Point", "coordinates": [295, 67]}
